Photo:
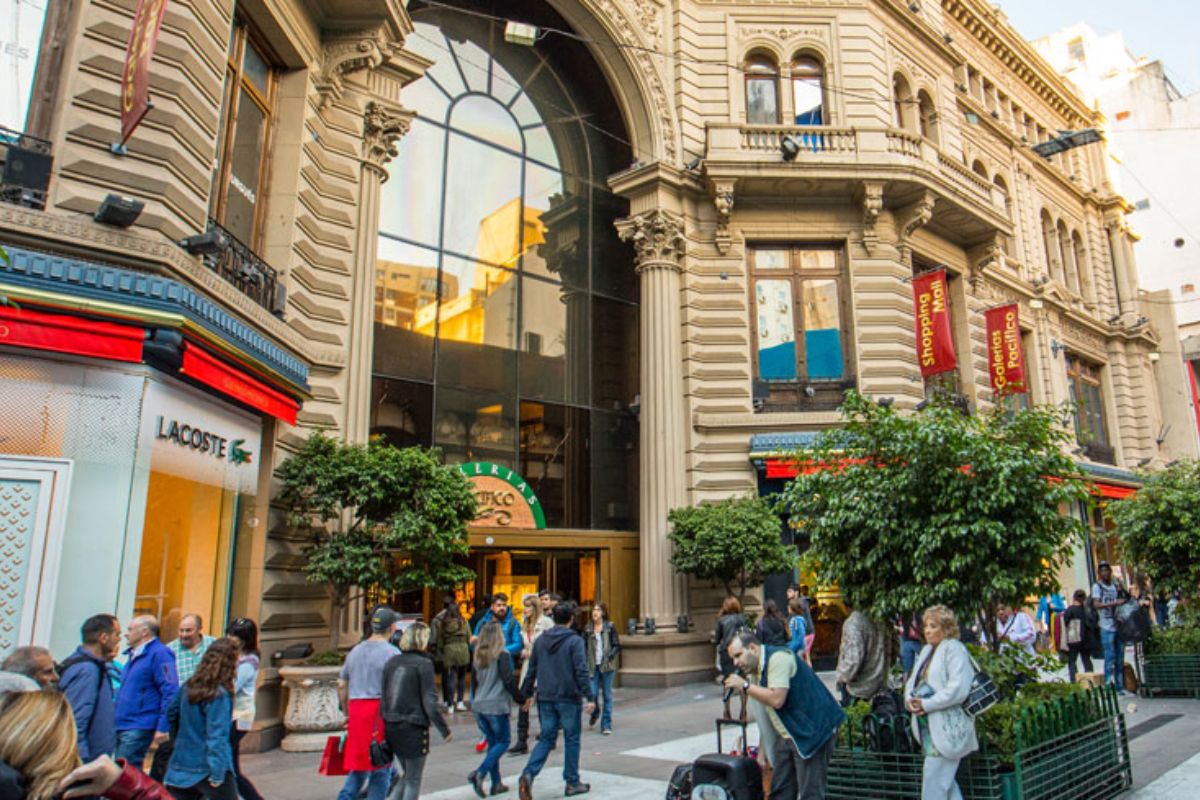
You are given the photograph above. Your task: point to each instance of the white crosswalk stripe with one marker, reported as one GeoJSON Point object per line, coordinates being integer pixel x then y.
{"type": "Point", "coordinates": [549, 784]}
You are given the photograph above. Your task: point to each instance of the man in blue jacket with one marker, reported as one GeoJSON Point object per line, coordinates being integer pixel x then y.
{"type": "Point", "coordinates": [147, 687]}
{"type": "Point", "coordinates": [86, 685]}
{"type": "Point", "coordinates": [512, 629]}
{"type": "Point", "coordinates": [558, 669]}
{"type": "Point", "coordinates": [795, 711]}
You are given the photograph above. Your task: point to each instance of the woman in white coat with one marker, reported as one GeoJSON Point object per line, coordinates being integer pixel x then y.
{"type": "Point", "coordinates": [934, 695]}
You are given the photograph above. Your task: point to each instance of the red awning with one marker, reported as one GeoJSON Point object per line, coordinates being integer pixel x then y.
{"type": "Point", "coordinates": [200, 365]}
{"type": "Point", "coordinates": [1112, 491]}
{"type": "Point", "coordinates": [60, 333]}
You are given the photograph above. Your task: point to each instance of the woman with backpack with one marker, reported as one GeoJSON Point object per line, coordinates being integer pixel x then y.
{"type": "Point", "coordinates": [729, 622]}
{"type": "Point", "coordinates": [1080, 635]}
{"type": "Point", "coordinates": [201, 718]}
{"type": "Point", "coordinates": [454, 654]}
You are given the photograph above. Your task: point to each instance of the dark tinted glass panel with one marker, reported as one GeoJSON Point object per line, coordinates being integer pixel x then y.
{"type": "Point", "coordinates": [554, 460]}
{"type": "Point", "coordinates": [612, 259]}
{"type": "Point", "coordinates": [614, 448]}
{"type": "Point", "coordinates": [614, 353]}
{"type": "Point", "coordinates": [475, 426]}
{"type": "Point", "coordinates": [554, 342]}
{"type": "Point", "coordinates": [477, 326]}
{"type": "Point", "coordinates": [402, 412]}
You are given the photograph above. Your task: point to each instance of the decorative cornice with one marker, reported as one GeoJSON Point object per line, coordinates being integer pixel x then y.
{"type": "Point", "coordinates": [81, 279]}
{"type": "Point", "coordinates": [383, 125]}
{"type": "Point", "coordinates": [79, 236]}
{"type": "Point", "coordinates": [657, 238]}
{"type": "Point", "coordinates": [345, 52]}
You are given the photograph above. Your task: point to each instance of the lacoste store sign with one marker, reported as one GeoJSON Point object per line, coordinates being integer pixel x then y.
{"type": "Point", "coordinates": [203, 441]}
{"type": "Point", "coordinates": [505, 499]}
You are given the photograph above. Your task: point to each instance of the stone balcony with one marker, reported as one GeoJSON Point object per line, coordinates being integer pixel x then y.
{"type": "Point", "coordinates": [835, 162]}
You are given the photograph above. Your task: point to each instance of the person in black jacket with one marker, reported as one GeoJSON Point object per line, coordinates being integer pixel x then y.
{"type": "Point", "coordinates": [729, 622]}
{"type": "Point", "coordinates": [409, 707]}
{"type": "Point", "coordinates": [1081, 637]}
{"type": "Point", "coordinates": [558, 668]}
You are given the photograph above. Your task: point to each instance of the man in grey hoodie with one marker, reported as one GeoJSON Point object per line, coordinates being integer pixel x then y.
{"type": "Point", "coordinates": [558, 669]}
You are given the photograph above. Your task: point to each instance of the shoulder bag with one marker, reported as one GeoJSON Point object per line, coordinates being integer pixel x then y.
{"type": "Point", "coordinates": [983, 695]}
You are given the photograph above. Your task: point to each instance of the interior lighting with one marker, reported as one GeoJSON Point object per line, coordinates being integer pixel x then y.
{"type": "Point", "coordinates": [520, 33]}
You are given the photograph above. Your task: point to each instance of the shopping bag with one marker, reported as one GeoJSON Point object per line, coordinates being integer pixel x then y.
{"type": "Point", "coordinates": [332, 761]}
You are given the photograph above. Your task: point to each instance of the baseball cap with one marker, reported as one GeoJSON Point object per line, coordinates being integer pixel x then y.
{"type": "Point", "coordinates": [1103, 564]}
{"type": "Point", "coordinates": [383, 619]}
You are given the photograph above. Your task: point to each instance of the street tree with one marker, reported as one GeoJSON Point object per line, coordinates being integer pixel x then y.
{"type": "Point", "coordinates": [381, 517]}
{"type": "Point", "coordinates": [735, 542]}
{"type": "Point", "coordinates": [1159, 528]}
{"type": "Point", "coordinates": [904, 511]}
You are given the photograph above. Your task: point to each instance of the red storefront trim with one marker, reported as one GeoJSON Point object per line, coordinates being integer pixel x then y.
{"type": "Point", "coordinates": [24, 327]}
{"type": "Point", "coordinates": [777, 468]}
{"type": "Point", "coordinates": [199, 365]}
{"type": "Point", "coordinates": [1193, 371]}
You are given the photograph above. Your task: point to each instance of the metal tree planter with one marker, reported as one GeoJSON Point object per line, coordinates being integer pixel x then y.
{"type": "Point", "coordinates": [1072, 748]}
{"type": "Point", "coordinates": [1168, 673]}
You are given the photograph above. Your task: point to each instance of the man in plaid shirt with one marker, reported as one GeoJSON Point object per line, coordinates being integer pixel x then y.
{"type": "Point", "coordinates": [190, 647]}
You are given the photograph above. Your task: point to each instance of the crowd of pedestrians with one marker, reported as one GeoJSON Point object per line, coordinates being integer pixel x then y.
{"type": "Point", "coordinates": [86, 727]}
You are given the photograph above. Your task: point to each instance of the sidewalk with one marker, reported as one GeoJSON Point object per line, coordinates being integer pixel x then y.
{"type": "Point", "coordinates": [654, 730]}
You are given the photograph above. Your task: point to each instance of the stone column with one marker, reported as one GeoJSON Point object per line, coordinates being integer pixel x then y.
{"type": "Point", "coordinates": [383, 125]}
{"type": "Point", "coordinates": [657, 237]}
{"type": "Point", "coordinates": [1118, 245]}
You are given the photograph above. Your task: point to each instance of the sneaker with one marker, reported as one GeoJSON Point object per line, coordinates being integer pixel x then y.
{"type": "Point", "coordinates": [577, 788]}
{"type": "Point", "coordinates": [519, 749]}
{"type": "Point", "coordinates": [461, 706]}
{"type": "Point", "coordinates": [476, 781]}
{"type": "Point", "coordinates": [606, 731]}
{"type": "Point", "coordinates": [498, 788]}
{"type": "Point", "coordinates": [481, 745]}
{"type": "Point", "coordinates": [525, 787]}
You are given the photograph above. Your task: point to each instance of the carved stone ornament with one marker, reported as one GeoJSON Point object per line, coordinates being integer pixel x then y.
{"type": "Point", "coordinates": [785, 33]}
{"type": "Point", "coordinates": [908, 219]}
{"type": "Point", "coordinates": [657, 238]}
{"type": "Point", "coordinates": [626, 32]}
{"type": "Point", "coordinates": [349, 52]}
{"type": "Point", "coordinates": [723, 201]}
{"type": "Point", "coordinates": [872, 207]}
{"type": "Point", "coordinates": [648, 19]}
{"type": "Point", "coordinates": [383, 126]}
{"type": "Point", "coordinates": [984, 256]}
{"type": "Point", "coordinates": [312, 710]}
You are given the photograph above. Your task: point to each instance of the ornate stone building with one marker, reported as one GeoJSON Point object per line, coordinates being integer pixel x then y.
{"type": "Point", "coordinates": [631, 262]}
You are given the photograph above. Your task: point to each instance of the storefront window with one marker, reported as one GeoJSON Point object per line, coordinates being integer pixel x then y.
{"type": "Point", "coordinates": [502, 287]}
{"type": "Point", "coordinates": [203, 469]}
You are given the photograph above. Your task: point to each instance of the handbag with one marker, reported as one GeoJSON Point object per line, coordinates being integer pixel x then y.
{"type": "Point", "coordinates": [332, 760]}
{"type": "Point", "coordinates": [381, 751]}
{"type": "Point", "coordinates": [983, 694]}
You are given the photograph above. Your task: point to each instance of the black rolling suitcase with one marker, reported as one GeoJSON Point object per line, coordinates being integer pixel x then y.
{"type": "Point", "coordinates": [739, 777]}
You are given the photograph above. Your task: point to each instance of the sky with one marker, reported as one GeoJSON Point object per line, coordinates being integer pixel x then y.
{"type": "Point", "coordinates": [1160, 29]}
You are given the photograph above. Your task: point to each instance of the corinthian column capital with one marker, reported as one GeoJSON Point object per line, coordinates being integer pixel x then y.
{"type": "Point", "coordinates": [657, 239]}
{"type": "Point", "coordinates": [383, 126]}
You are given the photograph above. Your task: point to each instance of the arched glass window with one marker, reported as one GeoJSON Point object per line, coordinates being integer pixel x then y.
{"type": "Point", "coordinates": [506, 317]}
{"type": "Point", "coordinates": [927, 117]}
{"type": "Point", "coordinates": [808, 91]}
{"type": "Point", "coordinates": [762, 91]}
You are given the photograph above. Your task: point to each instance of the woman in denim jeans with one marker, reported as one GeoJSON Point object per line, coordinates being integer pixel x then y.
{"type": "Point", "coordinates": [200, 718]}
{"type": "Point", "coordinates": [495, 692]}
{"type": "Point", "coordinates": [603, 647]}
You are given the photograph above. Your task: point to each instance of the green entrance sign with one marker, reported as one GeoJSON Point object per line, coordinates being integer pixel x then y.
{"type": "Point", "coordinates": [505, 498]}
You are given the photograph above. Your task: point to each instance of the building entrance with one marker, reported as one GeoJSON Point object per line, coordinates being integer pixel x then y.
{"type": "Point", "coordinates": [572, 574]}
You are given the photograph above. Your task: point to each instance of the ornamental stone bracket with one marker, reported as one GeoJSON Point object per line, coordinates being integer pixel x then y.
{"type": "Point", "coordinates": [657, 238]}
{"type": "Point", "coordinates": [984, 256]}
{"type": "Point", "coordinates": [313, 712]}
{"type": "Point", "coordinates": [871, 198]}
{"type": "Point", "coordinates": [346, 52]}
{"type": "Point", "coordinates": [383, 125]}
{"type": "Point", "coordinates": [723, 201]}
{"type": "Point", "coordinates": [914, 215]}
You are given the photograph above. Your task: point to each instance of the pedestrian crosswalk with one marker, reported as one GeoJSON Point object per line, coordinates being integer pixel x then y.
{"type": "Point", "coordinates": [687, 750]}
{"type": "Point", "coordinates": [605, 786]}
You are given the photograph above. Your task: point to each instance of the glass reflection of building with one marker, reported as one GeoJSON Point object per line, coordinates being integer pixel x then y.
{"type": "Point", "coordinates": [506, 318]}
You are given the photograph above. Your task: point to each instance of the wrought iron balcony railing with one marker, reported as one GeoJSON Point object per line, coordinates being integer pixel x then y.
{"type": "Point", "coordinates": [237, 263]}
{"type": "Point", "coordinates": [27, 166]}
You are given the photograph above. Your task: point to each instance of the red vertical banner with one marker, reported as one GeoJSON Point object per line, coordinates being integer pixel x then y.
{"type": "Point", "coordinates": [135, 76]}
{"type": "Point", "coordinates": [1006, 361]}
{"type": "Point", "coordinates": [935, 339]}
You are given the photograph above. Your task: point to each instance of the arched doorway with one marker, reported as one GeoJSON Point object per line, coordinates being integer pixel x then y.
{"type": "Point", "coordinates": [506, 308]}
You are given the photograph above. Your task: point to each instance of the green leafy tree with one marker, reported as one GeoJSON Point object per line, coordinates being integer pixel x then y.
{"type": "Point", "coordinates": [734, 541]}
{"type": "Point", "coordinates": [1159, 528]}
{"type": "Point", "coordinates": [381, 517]}
{"type": "Point", "coordinates": [938, 506]}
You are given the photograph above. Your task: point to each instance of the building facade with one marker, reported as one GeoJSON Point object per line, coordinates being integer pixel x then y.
{"type": "Point", "coordinates": [1149, 124]}
{"type": "Point", "coordinates": [622, 267]}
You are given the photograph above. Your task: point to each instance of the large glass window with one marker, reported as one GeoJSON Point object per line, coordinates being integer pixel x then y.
{"type": "Point", "coordinates": [505, 305]}
{"type": "Point", "coordinates": [1087, 394]}
{"type": "Point", "coordinates": [801, 323]}
{"type": "Point", "coordinates": [808, 91]}
{"type": "Point", "coordinates": [239, 174]}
